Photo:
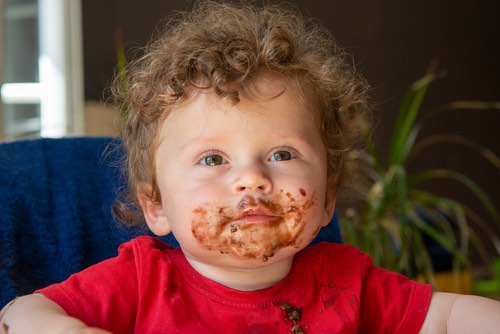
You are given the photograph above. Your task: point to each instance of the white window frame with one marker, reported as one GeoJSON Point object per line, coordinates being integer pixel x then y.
{"type": "Point", "coordinates": [60, 64]}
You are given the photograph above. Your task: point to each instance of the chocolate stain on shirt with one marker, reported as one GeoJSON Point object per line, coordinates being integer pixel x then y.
{"type": "Point", "coordinates": [293, 314]}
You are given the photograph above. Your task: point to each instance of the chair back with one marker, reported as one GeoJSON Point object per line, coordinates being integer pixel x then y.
{"type": "Point", "coordinates": [55, 210]}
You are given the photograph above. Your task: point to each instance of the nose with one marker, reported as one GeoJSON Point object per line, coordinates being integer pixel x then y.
{"type": "Point", "coordinates": [252, 179]}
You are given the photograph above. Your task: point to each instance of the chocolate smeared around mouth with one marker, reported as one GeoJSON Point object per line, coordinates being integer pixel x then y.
{"type": "Point", "coordinates": [216, 227]}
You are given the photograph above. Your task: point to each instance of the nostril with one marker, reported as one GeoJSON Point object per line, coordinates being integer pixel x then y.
{"type": "Point", "coordinates": [249, 187]}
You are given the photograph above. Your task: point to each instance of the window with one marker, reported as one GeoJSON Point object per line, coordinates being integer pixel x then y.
{"type": "Point", "coordinates": [41, 68]}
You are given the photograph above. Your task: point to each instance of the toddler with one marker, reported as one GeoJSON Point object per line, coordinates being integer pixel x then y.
{"type": "Point", "coordinates": [238, 120]}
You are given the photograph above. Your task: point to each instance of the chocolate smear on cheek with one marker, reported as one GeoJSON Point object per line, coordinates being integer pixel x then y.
{"type": "Point", "coordinates": [214, 227]}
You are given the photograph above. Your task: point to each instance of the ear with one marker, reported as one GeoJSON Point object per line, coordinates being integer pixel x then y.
{"type": "Point", "coordinates": [330, 199]}
{"type": "Point", "coordinates": [154, 212]}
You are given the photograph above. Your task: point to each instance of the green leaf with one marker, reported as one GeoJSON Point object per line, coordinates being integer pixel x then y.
{"type": "Point", "coordinates": [406, 118]}
{"type": "Point", "coordinates": [395, 216]}
{"type": "Point", "coordinates": [466, 181]}
{"type": "Point", "coordinates": [460, 140]}
{"type": "Point", "coordinates": [461, 105]}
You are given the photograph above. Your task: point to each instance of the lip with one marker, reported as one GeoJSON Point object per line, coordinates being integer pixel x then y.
{"type": "Point", "coordinates": [255, 215]}
{"type": "Point", "coordinates": [255, 218]}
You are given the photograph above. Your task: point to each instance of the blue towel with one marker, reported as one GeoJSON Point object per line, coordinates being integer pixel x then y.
{"type": "Point", "coordinates": [55, 211]}
{"type": "Point", "coordinates": [55, 217]}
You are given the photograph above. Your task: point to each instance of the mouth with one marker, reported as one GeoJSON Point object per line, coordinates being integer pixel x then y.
{"type": "Point", "coordinates": [255, 219]}
{"type": "Point", "coordinates": [255, 215]}
{"type": "Point", "coordinates": [254, 228]}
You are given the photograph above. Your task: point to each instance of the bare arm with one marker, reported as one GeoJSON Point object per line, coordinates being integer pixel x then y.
{"type": "Point", "coordinates": [453, 313]}
{"type": "Point", "coordinates": [37, 314]}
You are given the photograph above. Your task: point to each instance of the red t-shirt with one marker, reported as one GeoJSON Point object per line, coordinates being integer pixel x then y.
{"type": "Point", "coordinates": [151, 288]}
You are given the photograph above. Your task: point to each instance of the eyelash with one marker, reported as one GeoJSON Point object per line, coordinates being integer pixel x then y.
{"type": "Point", "coordinates": [208, 154]}
{"type": "Point", "coordinates": [292, 151]}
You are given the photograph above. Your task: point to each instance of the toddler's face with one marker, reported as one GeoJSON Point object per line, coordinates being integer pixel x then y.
{"type": "Point", "coordinates": [241, 185]}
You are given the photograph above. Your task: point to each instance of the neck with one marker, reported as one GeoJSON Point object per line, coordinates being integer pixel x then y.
{"type": "Point", "coordinates": [244, 279]}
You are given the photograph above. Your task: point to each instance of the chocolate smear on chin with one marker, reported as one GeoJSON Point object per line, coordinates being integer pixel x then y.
{"type": "Point", "coordinates": [214, 227]}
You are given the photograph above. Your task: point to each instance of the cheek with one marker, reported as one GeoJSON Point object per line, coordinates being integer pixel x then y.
{"type": "Point", "coordinates": [313, 220]}
{"type": "Point", "coordinates": [183, 207]}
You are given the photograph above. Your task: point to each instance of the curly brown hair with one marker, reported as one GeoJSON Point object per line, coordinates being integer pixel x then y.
{"type": "Point", "coordinates": [224, 47]}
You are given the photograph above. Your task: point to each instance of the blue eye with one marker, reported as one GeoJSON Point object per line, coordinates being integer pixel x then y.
{"type": "Point", "coordinates": [212, 160]}
{"type": "Point", "coordinates": [282, 156]}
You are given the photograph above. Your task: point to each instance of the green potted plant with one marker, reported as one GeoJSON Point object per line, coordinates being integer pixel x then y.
{"type": "Point", "coordinates": [395, 219]}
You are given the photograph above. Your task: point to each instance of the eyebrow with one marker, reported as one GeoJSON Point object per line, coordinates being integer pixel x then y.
{"type": "Point", "coordinates": [292, 136]}
{"type": "Point", "coordinates": [204, 139]}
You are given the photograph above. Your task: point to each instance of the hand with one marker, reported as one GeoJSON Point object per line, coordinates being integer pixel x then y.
{"type": "Point", "coordinates": [45, 316]}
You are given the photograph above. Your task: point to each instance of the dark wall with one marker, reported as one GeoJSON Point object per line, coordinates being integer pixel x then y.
{"type": "Point", "coordinates": [103, 21]}
{"type": "Point", "coordinates": [392, 43]}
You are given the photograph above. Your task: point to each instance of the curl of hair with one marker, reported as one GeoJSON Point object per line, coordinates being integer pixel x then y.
{"type": "Point", "coordinates": [222, 48]}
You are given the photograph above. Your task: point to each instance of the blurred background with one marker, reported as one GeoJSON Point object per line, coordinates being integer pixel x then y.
{"type": "Point", "coordinates": [58, 56]}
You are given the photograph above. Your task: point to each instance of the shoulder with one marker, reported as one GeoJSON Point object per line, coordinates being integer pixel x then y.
{"type": "Point", "coordinates": [141, 268]}
{"type": "Point", "coordinates": [335, 263]}
{"type": "Point", "coordinates": [136, 255]}
{"type": "Point", "coordinates": [144, 243]}
{"type": "Point", "coordinates": [338, 254]}
{"type": "Point", "coordinates": [148, 254]}
{"type": "Point", "coordinates": [143, 246]}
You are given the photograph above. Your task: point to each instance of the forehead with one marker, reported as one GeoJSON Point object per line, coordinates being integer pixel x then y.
{"type": "Point", "coordinates": [265, 88]}
{"type": "Point", "coordinates": [266, 100]}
